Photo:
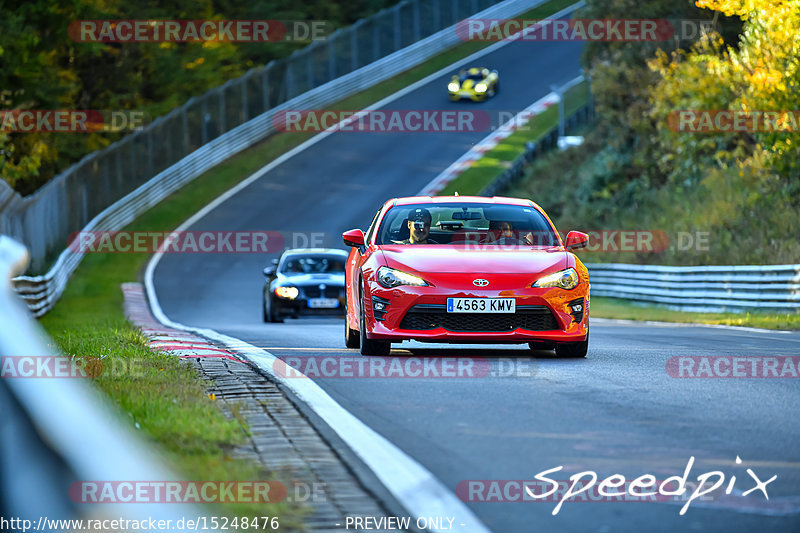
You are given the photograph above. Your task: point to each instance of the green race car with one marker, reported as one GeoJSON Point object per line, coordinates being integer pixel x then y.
{"type": "Point", "coordinates": [477, 84]}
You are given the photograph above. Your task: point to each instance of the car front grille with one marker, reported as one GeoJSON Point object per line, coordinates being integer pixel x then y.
{"type": "Point", "coordinates": [313, 291]}
{"type": "Point", "coordinates": [432, 316]}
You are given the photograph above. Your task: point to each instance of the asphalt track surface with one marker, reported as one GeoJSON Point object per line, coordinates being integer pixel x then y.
{"type": "Point", "coordinates": [616, 412]}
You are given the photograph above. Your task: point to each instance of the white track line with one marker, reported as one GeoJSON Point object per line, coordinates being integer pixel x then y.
{"type": "Point", "coordinates": [415, 488]}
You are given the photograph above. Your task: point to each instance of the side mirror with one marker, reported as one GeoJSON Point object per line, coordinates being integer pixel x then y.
{"type": "Point", "coordinates": [354, 237]}
{"type": "Point", "coordinates": [576, 239]}
{"type": "Point", "coordinates": [270, 271]}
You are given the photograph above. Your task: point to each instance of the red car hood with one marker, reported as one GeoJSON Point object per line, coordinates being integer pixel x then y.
{"type": "Point", "coordinates": [434, 259]}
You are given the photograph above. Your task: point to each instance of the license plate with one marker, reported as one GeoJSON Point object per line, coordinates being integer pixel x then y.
{"type": "Point", "coordinates": [323, 303]}
{"type": "Point", "coordinates": [481, 305]}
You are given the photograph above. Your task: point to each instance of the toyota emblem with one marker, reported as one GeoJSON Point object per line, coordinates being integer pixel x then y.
{"type": "Point", "coordinates": [480, 282]}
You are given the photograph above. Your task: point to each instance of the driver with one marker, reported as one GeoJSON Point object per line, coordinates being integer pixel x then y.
{"type": "Point", "coordinates": [419, 227]}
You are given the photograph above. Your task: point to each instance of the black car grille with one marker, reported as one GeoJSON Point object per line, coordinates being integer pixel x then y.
{"type": "Point", "coordinates": [313, 291]}
{"type": "Point", "coordinates": [432, 316]}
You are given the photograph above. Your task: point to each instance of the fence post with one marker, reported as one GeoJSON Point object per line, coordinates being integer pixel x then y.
{"type": "Point", "coordinates": [185, 125]}
{"type": "Point", "coordinates": [398, 36]}
{"type": "Point", "coordinates": [332, 55]}
{"type": "Point", "coordinates": [310, 67]}
{"type": "Point", "coordinates": [245, 110]}
{"type": "Point", "coordinates": [221, 92]}
{"type": "Point", "coordinates": [417, 22]}
{"type": "Point", "coordinates": [265, 85]}
{"type": "Point", "coordinates": [354, 44]}
{"type": "Point", "coordinates": [376, 42]}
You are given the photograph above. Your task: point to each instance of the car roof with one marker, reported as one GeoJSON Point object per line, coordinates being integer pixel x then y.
{"type": "Point", "coordinates": [408, 200]}
{"type": "Point", "coordinates": [311, 251]}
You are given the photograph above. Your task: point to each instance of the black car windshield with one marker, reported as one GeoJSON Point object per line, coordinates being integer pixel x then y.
{"type": "Point", "coordinates": [313, 264]}
{"type": "Point", "coordinates": [460, 224]}
{"type": "Point", "coordinates": [475, 77]}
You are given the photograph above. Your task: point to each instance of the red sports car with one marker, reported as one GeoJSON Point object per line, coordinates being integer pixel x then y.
{"type": "Point", "coordinates": [461, 269]}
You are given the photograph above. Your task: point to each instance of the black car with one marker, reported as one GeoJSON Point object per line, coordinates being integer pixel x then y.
{"type": "Point", "coordinates": [304, 281]}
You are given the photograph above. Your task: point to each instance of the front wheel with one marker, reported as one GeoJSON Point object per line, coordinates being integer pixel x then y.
{"type": "Point", "coordinates": [270, 314]}
{"type": "Point", "coordinates": [573, 349]}
{"type": "Point", "coordinates": [370, 346]}
{"type": "Point", "coordinates": [351, 339]}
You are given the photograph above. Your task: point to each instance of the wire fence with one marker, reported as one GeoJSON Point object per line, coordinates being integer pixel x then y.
{"type": "Point", "coordinates": [44, 220]}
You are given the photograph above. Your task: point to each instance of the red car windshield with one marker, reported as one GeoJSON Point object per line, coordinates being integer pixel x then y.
{"type": "Point", "coordinates": [461, 224]}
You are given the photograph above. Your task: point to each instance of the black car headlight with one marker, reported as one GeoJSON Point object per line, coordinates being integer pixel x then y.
{"type": "Point", "coordinates": [391, 277]}
{"type": "Point", "coordinates": [564, 279]}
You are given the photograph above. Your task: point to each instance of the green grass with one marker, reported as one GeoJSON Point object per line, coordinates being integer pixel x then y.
{"type": "Point", "coordinates": [166, 400]}
{"type": "Point", "coordinates": [495, 161]}
{"type": "Point", "coordinates": [623, 309]}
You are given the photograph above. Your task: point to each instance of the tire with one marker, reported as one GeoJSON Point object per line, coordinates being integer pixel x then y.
{"type": "Point", "coordinates": [573, 349]}
{"type": "Point", "coordinates": [269, 312]}
{"type": "Point", "coordinates": [351, 336]}
{"type": "Point", "coordinates": [369, 346]}
{"type": "Point", "coordinates": [540, 345]}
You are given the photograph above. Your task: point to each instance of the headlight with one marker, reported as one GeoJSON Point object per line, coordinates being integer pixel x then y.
{"type": "Point", "coordinates": [287, 292]}
{"type": "Point", "coordinates": [565, 279]}
{"type": "Point", "coordinates": [452, 87]}
{"type": "Point", "coordinates": [390, 277]}
{"type": "Point", "coordinates": [480, 88]}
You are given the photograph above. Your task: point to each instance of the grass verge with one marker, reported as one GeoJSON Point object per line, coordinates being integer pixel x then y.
{"type": "Point", "coordinates": [623, 309]}
{"type": "Point", "coordinates": [164, 399]}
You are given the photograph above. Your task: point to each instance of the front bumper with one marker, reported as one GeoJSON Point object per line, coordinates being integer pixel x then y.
{"type": "Point", "coordinates": [419, 313]}
{"type": "Point", "coordinates": [299, 307]}
{"type": "Point", "coordinates": [471, 95]}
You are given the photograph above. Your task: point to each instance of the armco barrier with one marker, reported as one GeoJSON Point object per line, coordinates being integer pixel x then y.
{"type": "Point", "coordinates": [57, 431]}
{"type": "Point", "coordinates": [701, 288]}
{"type": "Point", "coordinates": [52, 213]}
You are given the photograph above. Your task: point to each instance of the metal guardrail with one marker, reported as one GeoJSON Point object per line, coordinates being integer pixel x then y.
{"type": "Point", "coordinates": [701, 288]}
{"type": "Point", "coordinates": [63, 206]}
{"type": "Point", "coordinates": [56, 431]}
